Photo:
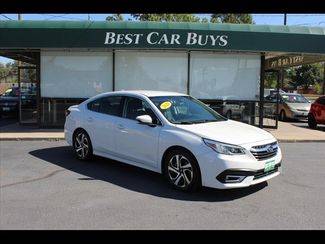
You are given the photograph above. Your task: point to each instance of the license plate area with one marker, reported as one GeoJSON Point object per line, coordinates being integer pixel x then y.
{"type": "Point", "coordinates": [269, 165]}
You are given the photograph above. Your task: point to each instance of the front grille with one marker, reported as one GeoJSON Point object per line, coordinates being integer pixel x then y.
{"type": "Point", "coordinates": [266, 151]}
{"type": "Point", "coordinates": [262, 174]}
{"type": "Point", "coordinates": [303, 110]}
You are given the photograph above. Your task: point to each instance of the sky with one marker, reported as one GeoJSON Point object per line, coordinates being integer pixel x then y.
{"type": "Point", "coordinates": [259, 19]}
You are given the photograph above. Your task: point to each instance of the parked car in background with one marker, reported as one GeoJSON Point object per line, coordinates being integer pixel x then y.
{"type": "Point", "coordinates": [173, 134]}
{"type": "Point", "coordinates": [316, 114]}
{"type": "Point", "coordinates": [291, 106]}
{"type": "Point", "coordinates": [9, 102]}
{"type": "Point", "coordinates": [229, 109]}
{"type": "Point", "coordinates": [271, 91]}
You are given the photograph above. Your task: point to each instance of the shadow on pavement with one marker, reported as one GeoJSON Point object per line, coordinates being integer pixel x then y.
{"type": "Point", "coordinates": [134, 178]}
{"type": "Point", "coordinates": [305, 126]}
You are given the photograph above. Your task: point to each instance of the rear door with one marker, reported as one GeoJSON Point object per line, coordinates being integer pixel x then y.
{"type": "Point", "coordinates": [322, 109]}
{"type": "Point", "coordinates": [101, 120]}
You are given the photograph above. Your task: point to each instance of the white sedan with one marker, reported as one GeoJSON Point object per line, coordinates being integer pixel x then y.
{"type": "Point", "coordinates": [173, 134]}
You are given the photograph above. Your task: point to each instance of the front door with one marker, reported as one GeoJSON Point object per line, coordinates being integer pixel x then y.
{"type": "Point", "coordinates": [28, 95]}
{"type": "Point", "coordinates": [134, 141]}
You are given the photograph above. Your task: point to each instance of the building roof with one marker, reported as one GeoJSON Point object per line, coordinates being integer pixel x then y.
{"type": "Point", "coordinates": [93, 34]}
{"type": "Point", "coordinates": [35, 24]}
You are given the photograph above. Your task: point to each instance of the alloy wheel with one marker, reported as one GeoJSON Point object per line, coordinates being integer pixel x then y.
{"type": "Point", "coordinates": [81, 145]}
{"type": "Point", "coordinates": [180, 171]}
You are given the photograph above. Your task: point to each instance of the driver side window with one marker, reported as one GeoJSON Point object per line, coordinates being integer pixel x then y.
{"type": "Point", "coordinates": [135, 107]}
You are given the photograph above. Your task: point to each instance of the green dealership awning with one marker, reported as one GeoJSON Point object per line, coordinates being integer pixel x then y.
{"type": "Point", "coordinates": [157, 35]}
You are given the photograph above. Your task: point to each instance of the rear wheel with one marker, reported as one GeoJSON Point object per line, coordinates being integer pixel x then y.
{"type": "Point", "coordinates": [182, 171]}
{"type": "Point", "coordinates": [82, 145]}
{"type": "Point", "coordinates": [312, 121]}
{"type": "Point", "coordinates": [283, 116]}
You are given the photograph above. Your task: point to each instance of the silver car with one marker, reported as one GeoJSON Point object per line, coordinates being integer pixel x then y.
{"type": "Point", "coordinates": [291, 106]}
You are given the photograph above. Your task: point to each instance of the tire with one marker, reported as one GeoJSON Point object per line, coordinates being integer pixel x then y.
{"type": "Point", "coordinates": [228, 114]}
{"type": "Point", "coordinates": [82, 145]}
{"type": "Point", "coordinates": [312, 122]}
{"type": "Point", "coordinates": [184, 175]}
{"type": "Point", "coordinates": [283, 116]}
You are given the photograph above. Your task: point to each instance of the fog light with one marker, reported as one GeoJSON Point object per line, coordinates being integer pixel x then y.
{"type": "Point", "coordinates": [234, 178]}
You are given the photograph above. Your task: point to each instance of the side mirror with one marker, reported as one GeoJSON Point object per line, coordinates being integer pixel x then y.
{"type": "Point", "coordinates": [144, 119]}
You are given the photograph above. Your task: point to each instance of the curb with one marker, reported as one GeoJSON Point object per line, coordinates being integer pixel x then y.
{"type": "Point", "coordinates": [32, 139]}
{"type": "Point", "coordinates": [301, 141]}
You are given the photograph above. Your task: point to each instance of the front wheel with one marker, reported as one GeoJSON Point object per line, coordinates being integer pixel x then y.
{"type": "Point", "coordinates": [312, 122]}
{"type": "Point", "coordinates": [82, 145]}
{"type": "Point", "coordinates": [182, 171]}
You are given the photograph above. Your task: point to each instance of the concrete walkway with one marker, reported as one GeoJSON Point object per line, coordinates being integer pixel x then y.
{"type": "Point", "coordinates": [298, 132]}
{"type": "Point", "coordinates": [287, 132]}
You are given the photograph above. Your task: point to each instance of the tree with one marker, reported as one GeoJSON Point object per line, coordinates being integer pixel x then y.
{"type": "Point", "coordinates": [304, 76]}
{"type": "Point", "coordinates": [168, 17]}
{"type": "Point", "coordinates": [115, 17]}
{"type": "Point", "coordinates": [232, 18]}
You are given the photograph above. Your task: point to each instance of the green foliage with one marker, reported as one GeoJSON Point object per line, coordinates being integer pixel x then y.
{"type": "Point", "coordinates": [115, 17]}
{"type": "Point", "coordinates": [232, 18]}
{"type": "Point", "coordinates": [270, 80]}
{"type": "Point", "coordinates": [304, 76]}
{"type": "Point", "coordinates": [214, 18]}
{"type": "Point", "coordinates": [319, 87]}
{"type": "Point", "coordinates": [168, 17]}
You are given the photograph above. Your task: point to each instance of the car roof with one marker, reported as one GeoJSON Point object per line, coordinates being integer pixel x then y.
{"type": "Point", "coordinates": [288, 94]}
{"type": "Point", "coordinates": [148, 93]}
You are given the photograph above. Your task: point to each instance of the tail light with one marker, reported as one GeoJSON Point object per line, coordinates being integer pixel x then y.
{"type": "Point", "coordinates": [67, 112]}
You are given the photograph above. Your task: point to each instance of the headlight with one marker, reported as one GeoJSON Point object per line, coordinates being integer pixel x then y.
{"type": "Point", "coordinates": [223, 148]}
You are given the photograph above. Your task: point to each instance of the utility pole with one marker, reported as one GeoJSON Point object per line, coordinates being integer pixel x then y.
{"type": "Point", "coordinates": [88, 17]}
{"type": "Point", "coordinates": [323, 78]}
{"type": "Point", "coordinates": [282, 70]}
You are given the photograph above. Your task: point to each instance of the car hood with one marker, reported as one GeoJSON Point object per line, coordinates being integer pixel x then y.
{"type": "Point", "coordinates": [228, 131]}
{"type": "Point", "coordinates": [304, 106]}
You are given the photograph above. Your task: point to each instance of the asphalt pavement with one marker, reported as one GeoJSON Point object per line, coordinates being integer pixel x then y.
{"type": "Point", "coordinates": [42, 186]}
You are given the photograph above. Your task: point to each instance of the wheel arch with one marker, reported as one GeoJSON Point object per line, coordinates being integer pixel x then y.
{"type": "Point", "coordinates": [77, 130]}
{"type": "Point", "coordinates": [177, 147]}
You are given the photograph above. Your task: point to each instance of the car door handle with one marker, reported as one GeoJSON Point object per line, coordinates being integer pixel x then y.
{"type": "Point", "coordinates": [90, 119]}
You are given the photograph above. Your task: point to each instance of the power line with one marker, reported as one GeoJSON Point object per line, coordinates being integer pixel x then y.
{"type": "Point", "coordinates": [63, 17]}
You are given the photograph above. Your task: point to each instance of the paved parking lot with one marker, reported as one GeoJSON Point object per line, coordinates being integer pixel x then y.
{"type": "Point", "coordinates": [44, 187]}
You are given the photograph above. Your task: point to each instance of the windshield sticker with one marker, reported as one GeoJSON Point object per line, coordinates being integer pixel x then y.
{"type": "Point", "coordinates": [165, 105]}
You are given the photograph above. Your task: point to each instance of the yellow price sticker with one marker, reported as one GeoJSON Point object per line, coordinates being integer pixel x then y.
{"type": "Point", "coordinates": [165, 105]}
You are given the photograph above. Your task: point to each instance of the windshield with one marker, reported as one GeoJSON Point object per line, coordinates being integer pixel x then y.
{"type": "Point", "coordinates": [185, 110]}
{"type": "Point", "coordinates": [11, 92]}
{"type": "Point", "coordinates": [294, 98]}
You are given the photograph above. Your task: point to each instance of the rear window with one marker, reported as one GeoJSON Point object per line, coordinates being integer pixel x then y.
{"type": "Point", "coordinates": [94, 105]}
{"type": "Point", "coordinates": [112, 105]}
{"type": "Point", "coordinates": [321, 100]}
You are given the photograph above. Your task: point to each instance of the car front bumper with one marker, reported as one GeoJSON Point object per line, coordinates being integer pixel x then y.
{"type": "Point", "coordinates": [298, 115]}
{"type": "Point", "coordinates": [214, 167]}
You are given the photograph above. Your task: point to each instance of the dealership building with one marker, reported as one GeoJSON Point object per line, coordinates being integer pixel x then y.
{"type": "Point", "coordinates": [223, 65]}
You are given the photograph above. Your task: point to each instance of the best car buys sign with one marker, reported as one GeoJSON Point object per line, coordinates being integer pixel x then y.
{"type": "Point", "coordinates": [143, 38]}
{"type": "Point", "coordinates": [156, 38]}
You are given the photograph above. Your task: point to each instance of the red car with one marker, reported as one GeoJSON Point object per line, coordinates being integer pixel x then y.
{"type": "Point", "coordinates": [317, 113]}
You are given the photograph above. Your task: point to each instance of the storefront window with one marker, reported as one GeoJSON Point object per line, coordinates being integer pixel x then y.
{"type": "Point", "coordinates": [75, 74]}
{"type": "Point", "coordinates": [165, 71]}
{"type": "Point", "coordinates": [225, 76]}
